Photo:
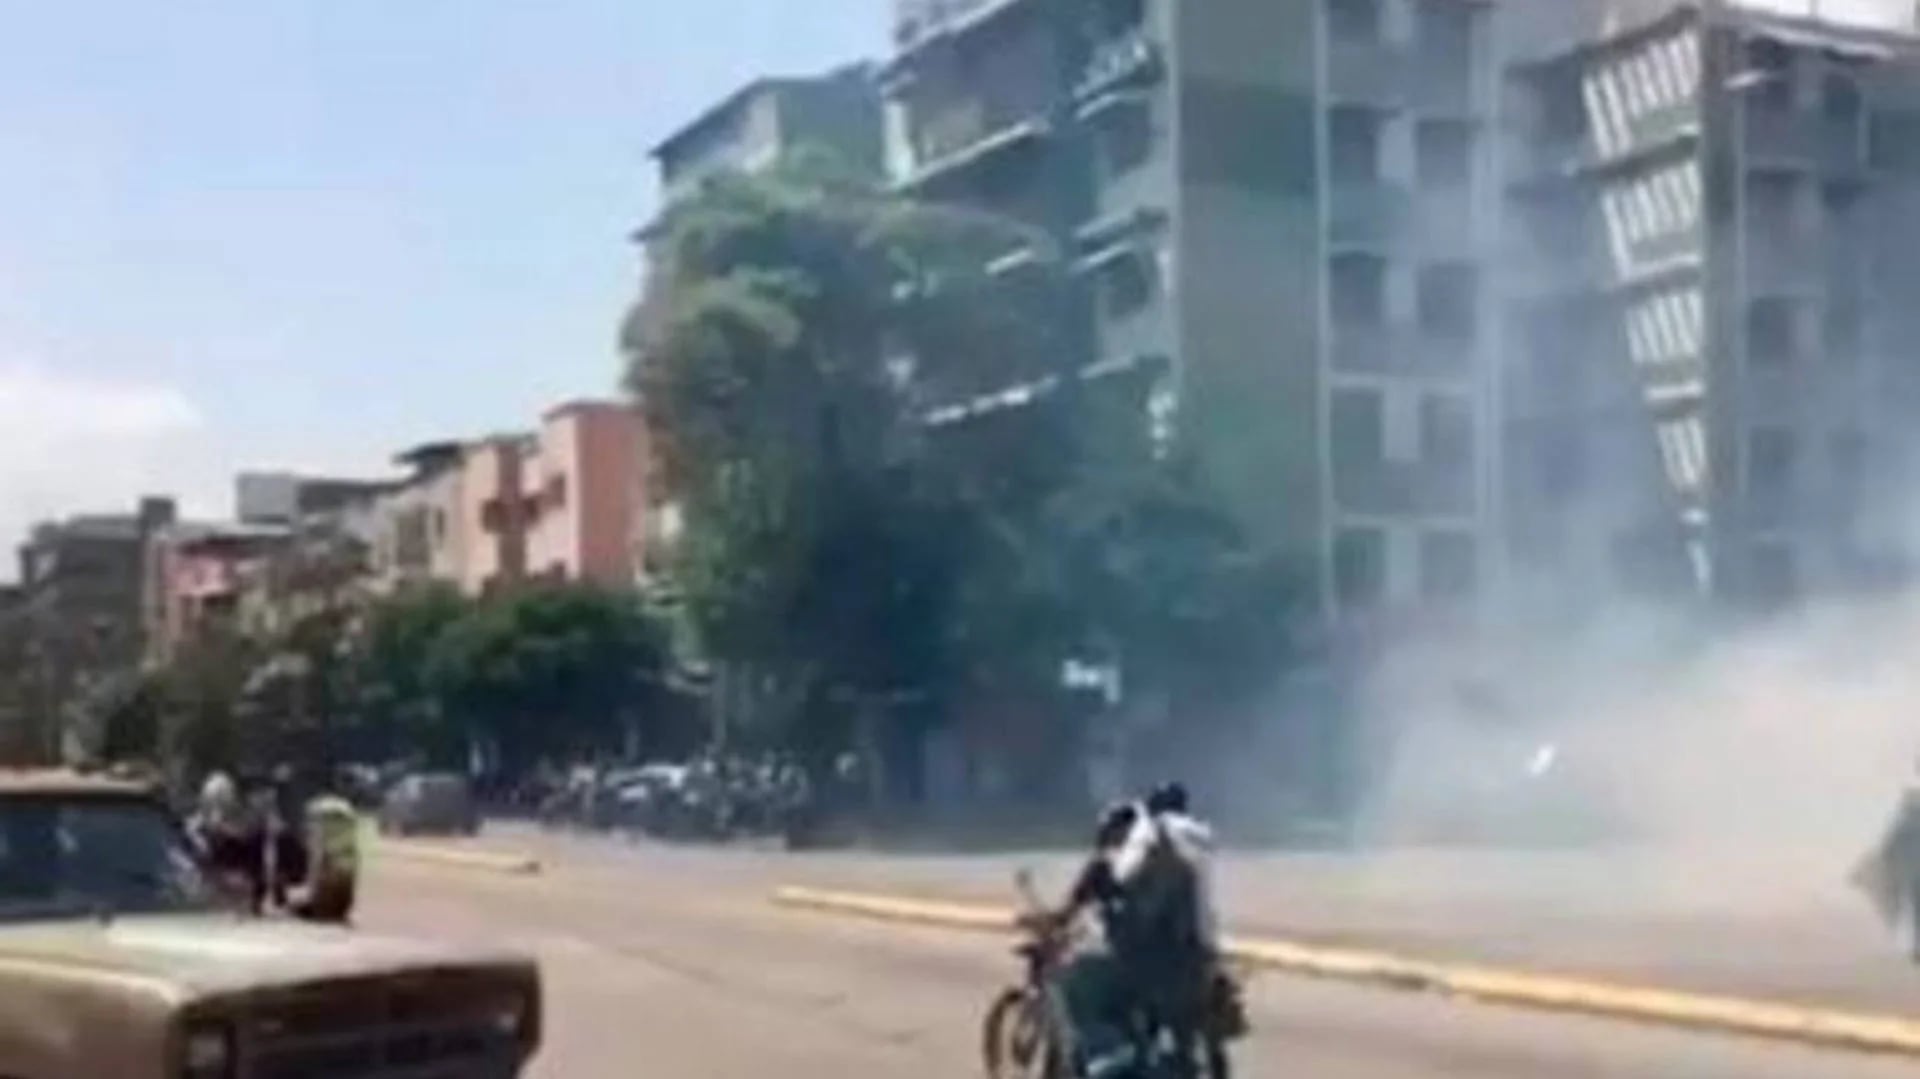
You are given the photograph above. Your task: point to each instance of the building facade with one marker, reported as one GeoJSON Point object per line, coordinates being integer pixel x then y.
{"type": "Point", "coordinates": [1280, 216]}
{"type": "Point", "coordinates": [415, 538]}
{"type": "Point", "coordinates": [1713, 209]}
{"type": "Point", "coordinates": [197, 578]}
{"type": "Point", "coordinates": [836, 113]}
{"type": "Point", "coordinates": [584, 485]}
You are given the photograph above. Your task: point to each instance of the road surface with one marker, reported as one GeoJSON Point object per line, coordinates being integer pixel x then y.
{"type": "Point", "coordinates": [671, 963]}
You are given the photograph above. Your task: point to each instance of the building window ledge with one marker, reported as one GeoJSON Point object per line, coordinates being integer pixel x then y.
{"type": "Point", "coordinates": [1023, 133]}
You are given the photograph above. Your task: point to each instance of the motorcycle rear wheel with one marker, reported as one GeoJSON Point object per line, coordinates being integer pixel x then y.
{"type": "Point", "coordinates": [1017, 1039]}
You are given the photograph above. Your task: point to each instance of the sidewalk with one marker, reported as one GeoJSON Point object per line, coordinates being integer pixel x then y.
{"type": "Point", "coordinates": [1759, 931]}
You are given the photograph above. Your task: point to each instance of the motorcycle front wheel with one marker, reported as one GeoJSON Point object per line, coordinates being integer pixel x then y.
{"type": "Point", "coordinates": [1016, 1038]}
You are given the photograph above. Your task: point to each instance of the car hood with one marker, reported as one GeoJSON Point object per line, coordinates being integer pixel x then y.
{"type": "Point", "coordinates": [205, 954]}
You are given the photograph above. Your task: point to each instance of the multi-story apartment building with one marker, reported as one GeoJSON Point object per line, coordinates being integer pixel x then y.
{"type": "Point", "coordinates": [1280, 214]}
{"type": "Point", "coordinates": [1712, 209]}
{"type": "Point", "coordinates": [837, 113]}
{"type": "Point", "coordinates": [75, 617]}
{"type": "Point", "coordinates": [416, 538]}
{"type": "Point", "coordinates": [584, 485]}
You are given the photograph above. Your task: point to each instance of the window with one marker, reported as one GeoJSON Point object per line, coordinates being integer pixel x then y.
{"type": "Point", "coordinates": [1446, 430]}
{"type": "Point", "coordinates": [1447, 569]}
{"type": "Point", "coordinates": [555, 495]}
{"type": "Point", "coordinates": [1445, 30]}
{"type": "Point", "coordinates": [1449, 299]}
{"type": "Point", "coordinates": [494, 515]}
{"type": "Point", "coordinates": [1353, 136]}
{"type": "Point", "coordinates": [1358, 286]}
{"type": "Point", "coordinates": [1354, 21]}
{"type": "Point", "coordinates": [1770, 341]}
{"type": "Point", "coordinates": [1359, 429]}
{"type": "Point", "coordinates": [1360, 567]}
{"type": "Point", "coordinates": [1443, 153]}
{"type": "Point", "coordinates": [1768, 74]}
{"type": "Point", "coordinates": [1770, 453]}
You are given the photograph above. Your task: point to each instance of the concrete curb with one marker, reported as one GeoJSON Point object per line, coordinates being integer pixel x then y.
{"type": "Point", "coordinates": [412, 851]}
{"type": "Point", "coordinates": [1727, 1015]}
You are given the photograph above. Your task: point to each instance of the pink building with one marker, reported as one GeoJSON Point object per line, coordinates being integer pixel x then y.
{"type": "Point", "coordinates": [564, 503]}
{"type": "Point", "coordinates": [196, 573]}
{"type": "Point", "coordinates": [582, 484]}
{"type": "Point", "coordinates": [493, 514]}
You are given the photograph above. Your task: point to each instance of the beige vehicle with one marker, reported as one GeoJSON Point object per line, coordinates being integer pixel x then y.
{"type": "Point", "coordinates": [116, 959]}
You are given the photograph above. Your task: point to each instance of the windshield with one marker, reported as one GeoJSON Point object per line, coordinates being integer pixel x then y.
{"type": "Point", "coordinates": [60, 855]}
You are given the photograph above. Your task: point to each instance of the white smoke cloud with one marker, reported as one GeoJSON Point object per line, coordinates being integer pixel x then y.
{"type": "Point", "coordinates": [77, 443]}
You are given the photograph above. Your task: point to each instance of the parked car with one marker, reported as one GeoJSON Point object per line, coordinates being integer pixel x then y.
{"type": "Point", "coordinates": [430, 803]}
{"type": "Point", "coordinates": [108, 926]}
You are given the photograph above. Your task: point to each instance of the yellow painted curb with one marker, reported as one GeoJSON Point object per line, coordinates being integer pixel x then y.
{"type": "Point", "coordinates": [411, 850]}
{"type": "Point", "coordinates": [1728, 1015]}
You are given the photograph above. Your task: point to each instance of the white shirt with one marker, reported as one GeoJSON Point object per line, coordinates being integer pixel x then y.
{"type": "Point", "coordinates": [1192, 841]}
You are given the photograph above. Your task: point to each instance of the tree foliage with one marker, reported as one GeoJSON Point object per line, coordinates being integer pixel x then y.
{"type": "Point", "coordinates": [796, 351]}
{"type": "Point", "coordinates": [795, 328]}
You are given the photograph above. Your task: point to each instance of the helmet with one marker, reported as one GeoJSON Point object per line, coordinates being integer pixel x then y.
{"type": "Point", "coordinates": [1170, 797]}
{"type": "Point", "coordinates": [1115, 821]}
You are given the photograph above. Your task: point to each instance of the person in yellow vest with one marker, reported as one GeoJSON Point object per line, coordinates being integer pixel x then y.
{"type": "Point", "coordinates": [333, 835]}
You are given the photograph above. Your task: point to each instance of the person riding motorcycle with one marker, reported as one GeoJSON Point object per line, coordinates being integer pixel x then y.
{"type": "Point", "coordinates": [1144, 878]}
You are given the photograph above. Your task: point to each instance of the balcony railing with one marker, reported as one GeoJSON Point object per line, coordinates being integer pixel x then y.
{"type": "Point", "coordinates": [959, 147]}
{"type": "Point", "coordinates": [1124, 63]}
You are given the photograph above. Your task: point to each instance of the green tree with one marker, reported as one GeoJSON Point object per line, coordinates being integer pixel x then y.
{"type": "Point", "coordinates": [548, 671]}
{"type": "Point", "coordinates": [399, 710]}
{"type": "Point", "coordinates": [797, 329]}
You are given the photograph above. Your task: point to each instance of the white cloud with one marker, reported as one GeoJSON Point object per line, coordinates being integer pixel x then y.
{"type": "Point", "coordinates": [45, 406]}
{"type": "Point", "coordinates": [72, 443]}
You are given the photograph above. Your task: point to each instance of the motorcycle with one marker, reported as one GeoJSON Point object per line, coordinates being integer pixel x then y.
{"type": "Point", "coordinates": [1026, 1033]}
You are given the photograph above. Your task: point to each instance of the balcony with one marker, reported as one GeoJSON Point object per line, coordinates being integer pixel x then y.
{"type": "Point", "coordinates": [1123, 64]}
{"type": "Point", "coordinates": [1368, 215]}
{"type": "Point", "coordinates": [921, 23]}
{"type": "Point", "coordinates": [962, 147]}
{"type": "Point", "coordinates": [1548, 157]}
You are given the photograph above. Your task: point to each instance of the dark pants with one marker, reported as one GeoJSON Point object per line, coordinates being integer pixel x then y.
{"type": "Point", "coordinates": [1099, 1003]}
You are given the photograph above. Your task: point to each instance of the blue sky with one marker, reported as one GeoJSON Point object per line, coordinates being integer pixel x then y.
{"type": "Point", "coordinates": [303, 233]}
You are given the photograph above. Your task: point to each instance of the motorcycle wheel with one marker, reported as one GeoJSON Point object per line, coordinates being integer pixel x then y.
{"type": "Point", "coordinates": [1015, 1040]}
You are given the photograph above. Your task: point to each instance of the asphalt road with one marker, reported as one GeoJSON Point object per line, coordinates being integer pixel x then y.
{"type": "Point", "coordinates": [671, 963]}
